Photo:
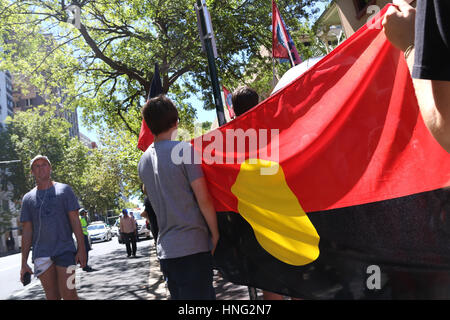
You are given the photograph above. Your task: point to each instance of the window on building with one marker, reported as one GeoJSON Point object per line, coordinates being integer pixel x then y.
{"type": "Point", "coordinates": [5, 205]}
{"type": "Point", "coordinates": [361, 7]}
{"type": "Point", "coordinates": [10, 105]}
{"type": "Point", "coordinates": [8, 87]}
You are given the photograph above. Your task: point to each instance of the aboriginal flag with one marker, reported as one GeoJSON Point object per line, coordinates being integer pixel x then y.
{"type": "Point", "coordinates": [145, 135]}
{"type": "Point", "coordinates": [333, 187]}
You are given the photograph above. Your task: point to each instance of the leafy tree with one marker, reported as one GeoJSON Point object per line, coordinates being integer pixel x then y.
{"type": "Point", "coordinates": [94, 175]}
{"type": "Point", "coordinates": [12, 172]}
{"type": "Point", "coordinates": [40, 132]}
{"type": "Point", "coordinates": [106, 65]}
{"type": "Point", "coordinates": [101, 186]}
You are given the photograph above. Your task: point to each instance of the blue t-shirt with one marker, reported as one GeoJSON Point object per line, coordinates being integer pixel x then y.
{"type": "Point", "coordinates": [48, 211]}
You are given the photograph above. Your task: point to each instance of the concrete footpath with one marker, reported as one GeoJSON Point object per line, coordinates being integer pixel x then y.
{"type": "Point", "coordinates": [120, 278]}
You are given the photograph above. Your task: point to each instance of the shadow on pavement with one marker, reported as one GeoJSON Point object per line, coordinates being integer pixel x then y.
{"type": "Point", "coordinates": [117, 277]}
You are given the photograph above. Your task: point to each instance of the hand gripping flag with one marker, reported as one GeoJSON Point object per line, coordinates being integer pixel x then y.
{"type": "Point", "coordinates": [228, 102]}
{"type": "Point", "coordinates": [145, 135]}
{"type": "Point", "coordinates": [333, 187]}
{"type": "Point", "coordinates": [282, 44]}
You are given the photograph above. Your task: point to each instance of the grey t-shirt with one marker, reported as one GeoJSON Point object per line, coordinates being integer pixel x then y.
{"type": "Point", "coordinates": [48, 211]}
{"type": "Point", "coordinates": [182, 228]}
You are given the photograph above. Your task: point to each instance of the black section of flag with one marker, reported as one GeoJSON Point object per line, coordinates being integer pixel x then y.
{"type": "Point", "coordinates": [407, 238]}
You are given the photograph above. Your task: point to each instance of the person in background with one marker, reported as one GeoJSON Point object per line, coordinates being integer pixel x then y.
{"type": "Point", "coordinates": [84, 224]}
{"type": "Point", "coordinates": [244, 98]}
{"type": "Point", "coordinates": [128, 232]}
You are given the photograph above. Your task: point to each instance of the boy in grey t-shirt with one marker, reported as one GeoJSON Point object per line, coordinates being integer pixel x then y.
{"type": "Point", "coordinates": [187, 221]}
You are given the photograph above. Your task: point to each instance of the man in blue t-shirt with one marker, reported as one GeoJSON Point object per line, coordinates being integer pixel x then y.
{"type": "Point", "coordinates": [49, 215]}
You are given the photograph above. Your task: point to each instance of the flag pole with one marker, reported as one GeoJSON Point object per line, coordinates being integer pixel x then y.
{"type": "Point", "coordinates": [290, 56]}
{"type": "Point", "coordinates": [207, 36]}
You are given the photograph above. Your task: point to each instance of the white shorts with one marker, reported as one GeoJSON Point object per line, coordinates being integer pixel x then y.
{"type": "Point", "coordinates": [41, 265]}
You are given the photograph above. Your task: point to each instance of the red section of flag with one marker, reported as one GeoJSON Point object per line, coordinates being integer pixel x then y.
{"type": "Point", "coordinates": [280, 38]}
{"type": "Point", "coordinates": [350, 132]}
{"type": "Point", "coordinates": [228, 102]}
{"type": "Point", "coordinates": [145, 137]}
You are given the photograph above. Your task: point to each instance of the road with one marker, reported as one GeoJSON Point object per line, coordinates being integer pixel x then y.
{"type": "Point", "coordinates": [10, 274]}
{"type": "Point", "coordinates": [116, 277]}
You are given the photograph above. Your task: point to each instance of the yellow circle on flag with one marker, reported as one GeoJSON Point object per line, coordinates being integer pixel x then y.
{"type": "Point", "coordinates": [280, 224]}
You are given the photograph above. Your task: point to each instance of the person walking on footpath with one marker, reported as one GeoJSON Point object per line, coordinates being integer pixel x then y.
{"type": "Point", "coordinates": [49, 216]}
{"type": "Point", "coordinates": [84, 224]}
{"type": "Point", "coordinates": [188, 231]}
{"type": "Point", "coordinates": [128, 232]}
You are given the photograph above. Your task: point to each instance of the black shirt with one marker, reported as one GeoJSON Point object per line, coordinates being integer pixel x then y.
{"type": "Point", "coordinates": [152, 217]}
{"type": "Point", "coordinates": [432, 43]}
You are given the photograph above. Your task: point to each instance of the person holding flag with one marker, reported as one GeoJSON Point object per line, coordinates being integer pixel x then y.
{"type": "Point", "coordinates": [423, 34]}
{"type": "Point", "coordinates": [244, 98]}
{"type": "Point", "coordinates": [188, 230]}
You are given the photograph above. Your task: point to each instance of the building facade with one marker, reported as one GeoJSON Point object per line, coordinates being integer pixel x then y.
{"type": "Point", "coordinates": [6, 97]}
{"type": "Point", "coordinates": [10, 236]}
{"type": "Point", "coordinates": [32, 98]}
{"type": "Point", "coordinates": [9, 233]}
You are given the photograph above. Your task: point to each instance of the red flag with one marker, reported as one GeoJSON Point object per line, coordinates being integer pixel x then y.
{"type": "Point", "coordinates": [282, 44]}
{"type": "Point", "coordinates": [228, 102]}
{"type": "Point", "coordinates": [360, 180]}
{"type": "Point", "coordinates": [280, 38]}
{"type": "Point", "coordinates": [345, 133]}
{"type": "Point", "coordinates": [145, 135]}
{"type": "Point", "coordinates": [350, 131]}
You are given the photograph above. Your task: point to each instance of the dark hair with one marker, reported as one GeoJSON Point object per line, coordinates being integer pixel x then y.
{"type": "Point", "coordinates": [243, 99]}
{"type": "Point", "coordinates": [160, 114]}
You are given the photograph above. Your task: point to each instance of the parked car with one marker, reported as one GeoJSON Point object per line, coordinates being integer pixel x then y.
{"type": "Point", "coordinates": [75, 240]}
{"type": "Point", "coordinates": [115, 229]}
{"type": "Point", "coordinates": [143, 231]}
{"type": "Point", "coordinates": [99, 231]}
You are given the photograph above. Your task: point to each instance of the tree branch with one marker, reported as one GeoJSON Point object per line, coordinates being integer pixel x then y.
{"type": "Point", "coordinates": [123, 69]}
